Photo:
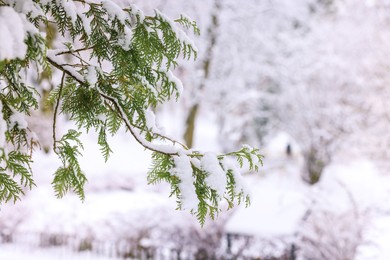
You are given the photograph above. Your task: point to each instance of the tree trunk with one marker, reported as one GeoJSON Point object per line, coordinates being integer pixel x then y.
{"type": "Point", "coordinates": [314, 166]}
{"type": "Point", "coordinates": [193, 111]}
{"type": "Point", "coordinates": [190, 123]}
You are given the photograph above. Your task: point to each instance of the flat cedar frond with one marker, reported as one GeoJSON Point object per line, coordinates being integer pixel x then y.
{"type": "Point", "coordinates": [116, 67]}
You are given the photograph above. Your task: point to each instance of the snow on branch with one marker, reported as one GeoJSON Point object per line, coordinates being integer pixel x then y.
{"type": "Point", "coordinates": [116, 67]}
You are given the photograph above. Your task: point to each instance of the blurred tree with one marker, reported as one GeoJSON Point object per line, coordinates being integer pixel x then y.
{"type": "Point", "coordinates": [322, 100]}
{"type": "Point", "coordinates": [291, 67]}
{"type": "Point", "coordinates": [205, 72]}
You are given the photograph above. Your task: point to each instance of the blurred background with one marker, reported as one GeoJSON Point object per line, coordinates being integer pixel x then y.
{"type": "Point", "coordinates": [306, 81]}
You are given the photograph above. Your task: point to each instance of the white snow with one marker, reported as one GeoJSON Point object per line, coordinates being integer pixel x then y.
{"type": "Point", "coordinates": [70, 9]}
{"type": "Point", "coordinates": [183, 170]}
{"type": "Point", "coordinates": [18, 252]}
{"type": "Point", "coordinates": [114, 11]}
{"type": "Point", "coordinates": [136, 11]}
{"type": "Point", "coordinates": [216, 177]}
{"type": "Point", "coordinates": [12, 34]}
{"type": "Point", "coordinates": [26, 7]}
{"type": "Point", "coordinates": [91, 76]}
{"type": "Point", "coordinates": [277, 207]}
{"type": "Point", "coordinates": [52, 54]}
{"type": "Point", "coordinates": [150, 118]}
{"type": "Point", "coordinates": [182, 36]}
{"type": "Point", "coordinates": [86, 22]}
{"type": "Point", "coordinates": [176, 81]}
{"type": "Point", "coordinates": [18, 119]}
{"type": "Point", "coordinates": [125, 40]}
{"type": "Point", "coordinates": [240, 182]}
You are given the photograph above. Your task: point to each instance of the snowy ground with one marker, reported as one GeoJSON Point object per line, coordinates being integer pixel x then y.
{"type": "Point", "coordinates": [119, 204]}
{"type": "Point", "coordinates": [18, 252]}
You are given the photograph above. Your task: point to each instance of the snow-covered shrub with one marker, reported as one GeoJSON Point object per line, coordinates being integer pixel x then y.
{"type": "Point", "coordinates": [328, 235]}
{"type": "Point", "coordinates": [10, 220]}
{"type": "Point", "coordinates": [250, 247]}
{"type": "Point", "coordinates": [147, 231]}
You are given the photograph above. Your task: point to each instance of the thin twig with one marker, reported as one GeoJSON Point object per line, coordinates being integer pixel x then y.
{"type": "Point", "coordinates": [67, 72]}
{"type": "Point", "coordinates": [118, 108]}
{"type": "Point", "coordinates": [130, 127]}
{"type": "Point", "coordinates": [55, 112]}
{"type": "Point", "coordinates": [120, 112]}
{"type": "Point", "coordinates": [155, 134]}
{"type": "Point", "coordinates": [73, 51]}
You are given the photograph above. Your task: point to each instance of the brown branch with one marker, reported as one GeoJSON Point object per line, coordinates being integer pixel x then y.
{"type": "Point", "coordinates": [55, 112]}
{"type": "Point", "coordinates": [130, 127]}
{"type": "Point", "coordinates": [61, 68]}
{"type": "Point", "coordinates": [119, 110]}
{"type": "Point", "coordinates": [155, 134]}
{"type": "Point", "coordinates": [73, 51]}
{"type": "Point", "coordinates": [67, 72]}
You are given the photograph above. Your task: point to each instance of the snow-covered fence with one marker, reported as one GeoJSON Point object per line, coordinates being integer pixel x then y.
{"type": "Point", "coordinates": [241, 246]}
{"type": "Point", "coordinates": [67, 245]}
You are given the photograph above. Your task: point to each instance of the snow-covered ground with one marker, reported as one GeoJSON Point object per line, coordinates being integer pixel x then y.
{"type": "Point", "coordinates": [17, 252]}
{"type": "Point", "coordinates": [120, 208]}
{"type": "Point", "coordinates": [119, 205]}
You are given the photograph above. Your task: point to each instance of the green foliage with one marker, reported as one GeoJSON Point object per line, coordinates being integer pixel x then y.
{"type": "Point", "coordinates": [163, 169]}
{"type": "Point", "coordinates": [9, 189]}
{"type": "Point", "coordinates": [69, 175]}
{"type": "Point", "coordinates": [16, 165]}
{"type": "Point", "coordinates": [119, 71]}
{"type": "Point", "coordinates": [250, 155]}
{"type": "Point", "coordinates": [16, 99]}
{"type": "Point", "coordinates": [160, 171]}
{"type": "Point", "coordinates": [188, 23]}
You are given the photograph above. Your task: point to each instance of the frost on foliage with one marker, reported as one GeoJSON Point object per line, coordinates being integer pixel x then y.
{"type": "Point", "coordinates": [12, 34]}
